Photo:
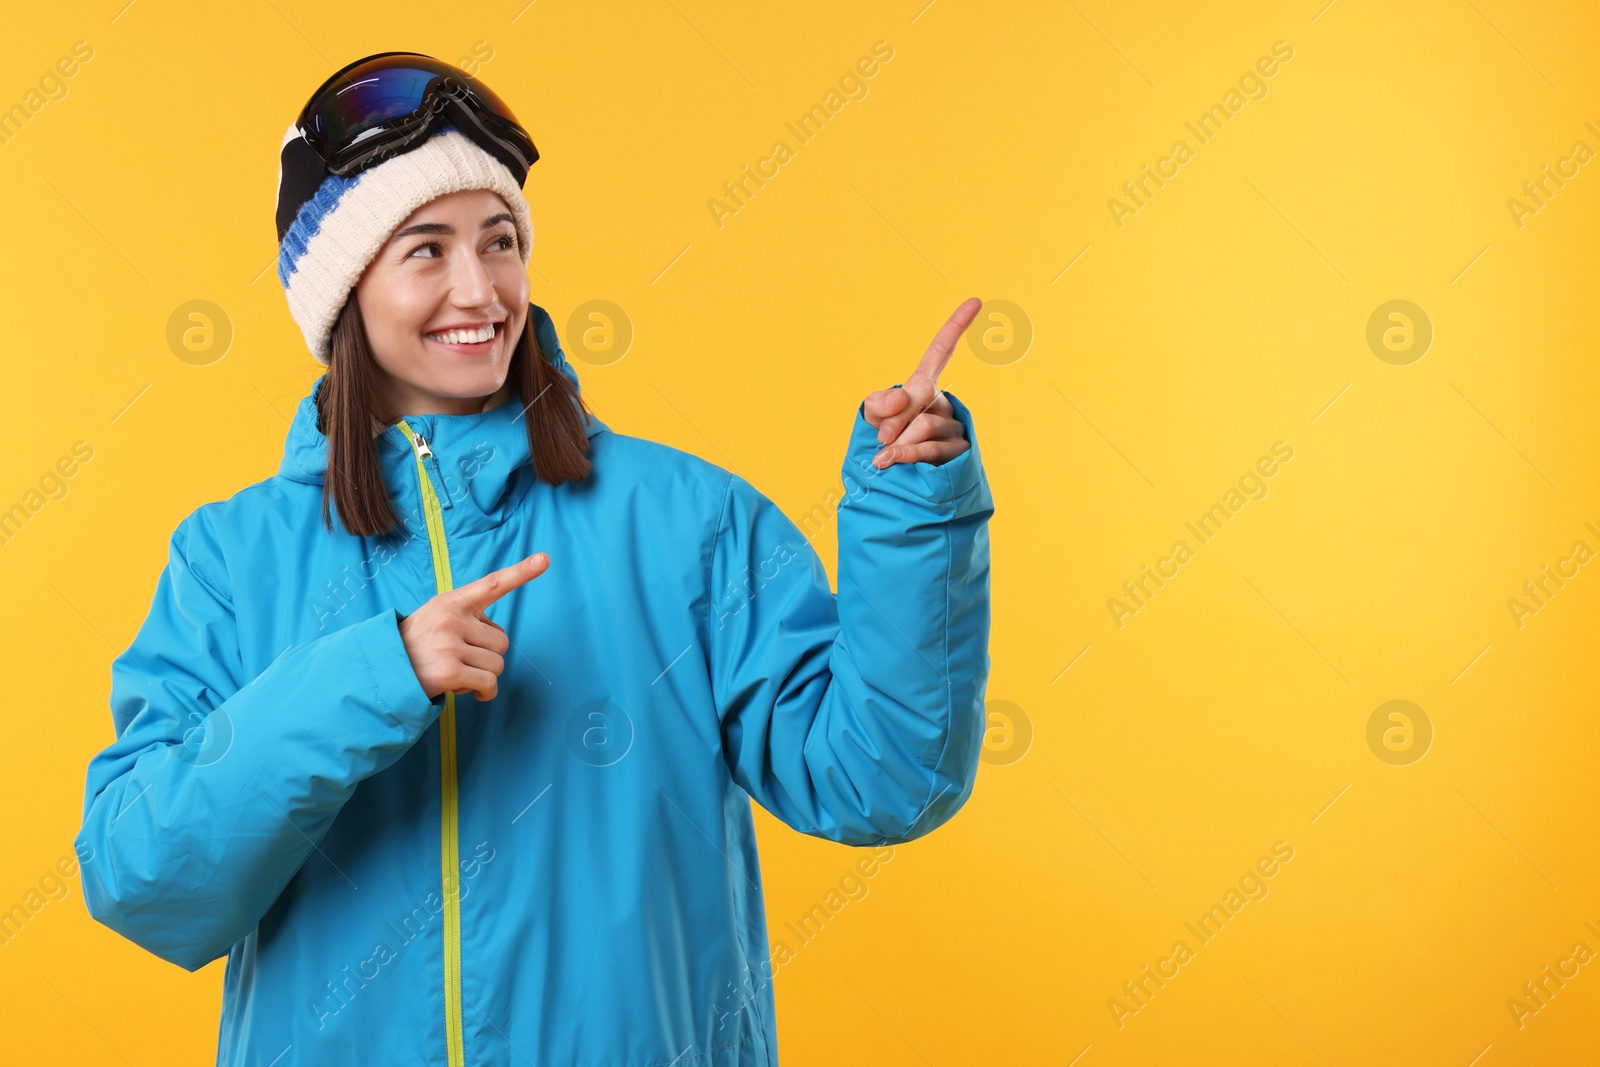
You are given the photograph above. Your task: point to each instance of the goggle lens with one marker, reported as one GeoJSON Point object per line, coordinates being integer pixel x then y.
{"type": "Point", "coordinates": [378, 99]}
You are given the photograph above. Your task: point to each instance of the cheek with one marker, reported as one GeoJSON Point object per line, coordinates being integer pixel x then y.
{"type": "Point", "coordinates": [394, 310]}
{"type": "Point", "coordinates": [511, 282]}
{"type": "Point", "coordinates": [409, 303]}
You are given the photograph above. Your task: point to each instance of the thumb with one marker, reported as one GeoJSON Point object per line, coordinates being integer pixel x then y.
{"type": "Point", "coordinates": [886, 402]}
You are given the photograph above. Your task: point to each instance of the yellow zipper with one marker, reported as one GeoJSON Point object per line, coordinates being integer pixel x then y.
{"type": "Point", "coordinates": [449, 846]}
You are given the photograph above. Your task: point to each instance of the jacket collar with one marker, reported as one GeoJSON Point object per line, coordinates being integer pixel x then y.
{"type": "Point", "coordinates": [483, 460]}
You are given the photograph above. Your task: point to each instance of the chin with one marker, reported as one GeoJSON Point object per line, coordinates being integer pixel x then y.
{"type": "Point", "coordinates": [463, 382]}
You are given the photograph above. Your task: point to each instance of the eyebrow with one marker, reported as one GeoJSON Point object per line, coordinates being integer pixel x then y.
{"type": "Point", "coordinates": [446, 228]}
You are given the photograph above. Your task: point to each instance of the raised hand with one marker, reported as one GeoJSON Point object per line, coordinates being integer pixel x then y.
{"type": "Point", "coordinates": [453, 645]}
{"type": "Point", "coordinates": [915, 420]}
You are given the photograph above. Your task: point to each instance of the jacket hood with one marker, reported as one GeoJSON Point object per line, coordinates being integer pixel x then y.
{"type": "Point", "coordinates": [489, 446]}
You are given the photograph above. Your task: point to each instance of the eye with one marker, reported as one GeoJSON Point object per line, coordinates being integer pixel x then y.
{"type": "Point", "coordinates": [509, 239]}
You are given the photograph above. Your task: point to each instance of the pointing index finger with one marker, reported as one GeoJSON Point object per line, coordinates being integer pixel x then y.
{"type": "Point", "coordinates": [496, 584]}
{"type": "Point", "coordinates": [944, 342]}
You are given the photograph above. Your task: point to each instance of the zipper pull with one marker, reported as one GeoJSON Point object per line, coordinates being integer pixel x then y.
{"type": "Point", "coordinates": [431, 465]}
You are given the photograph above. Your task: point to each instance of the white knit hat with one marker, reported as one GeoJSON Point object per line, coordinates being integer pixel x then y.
{"type": "Point", "coordinates": [339, 228]}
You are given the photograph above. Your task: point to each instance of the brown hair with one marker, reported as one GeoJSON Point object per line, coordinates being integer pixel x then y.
{"type": "Point", "coordinates": [346, 410]}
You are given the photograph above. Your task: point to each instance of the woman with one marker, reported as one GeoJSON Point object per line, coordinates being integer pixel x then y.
{"type": "Point", "coordinates": [444, 735]}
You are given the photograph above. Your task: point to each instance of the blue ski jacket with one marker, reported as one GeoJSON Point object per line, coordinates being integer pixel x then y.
{"type": "Point", "coordinates": [565, 874]}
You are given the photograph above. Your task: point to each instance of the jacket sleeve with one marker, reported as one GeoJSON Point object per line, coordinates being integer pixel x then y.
{"type": "Point", "coordinates": [857, 717]}
{"type": "Point", "coordinates": [218, 788]}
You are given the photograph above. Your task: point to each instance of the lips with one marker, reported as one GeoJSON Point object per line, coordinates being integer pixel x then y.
{"type": "Point", "coordinates": [468, 348]}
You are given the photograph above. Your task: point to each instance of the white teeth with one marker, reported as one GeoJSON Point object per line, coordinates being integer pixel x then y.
{"type": "Point", "coordinates": [461, 337]}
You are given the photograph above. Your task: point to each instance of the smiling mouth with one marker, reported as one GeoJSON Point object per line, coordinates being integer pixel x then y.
{"type": "Point", "coordinates": [455, 339]}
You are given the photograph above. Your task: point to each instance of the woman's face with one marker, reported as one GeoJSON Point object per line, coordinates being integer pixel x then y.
{"type": "Point", "coordinates": [453, 264]}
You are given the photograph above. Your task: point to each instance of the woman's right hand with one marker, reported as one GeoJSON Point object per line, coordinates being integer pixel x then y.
{"type": "Point", "coordinates": [453, 645]}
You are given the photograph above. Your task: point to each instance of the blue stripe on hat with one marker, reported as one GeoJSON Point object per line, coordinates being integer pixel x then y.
{"type": "Point", "coordinates": [309, 221]}
{"type": "Point", "coordinates": [314, 212]}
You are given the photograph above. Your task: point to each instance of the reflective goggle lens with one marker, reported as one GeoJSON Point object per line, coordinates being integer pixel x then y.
{"type": "Point", "coordinates": [342, 116]}
{"type": "Point", "coordinates": [374, 98]}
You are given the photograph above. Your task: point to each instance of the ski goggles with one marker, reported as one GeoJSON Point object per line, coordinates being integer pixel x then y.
{"type": "Point", "coordinates": [383, 105]}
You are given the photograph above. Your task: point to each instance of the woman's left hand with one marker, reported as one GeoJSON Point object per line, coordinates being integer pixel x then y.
{"type": "Point", "coordinates": [915, 421]}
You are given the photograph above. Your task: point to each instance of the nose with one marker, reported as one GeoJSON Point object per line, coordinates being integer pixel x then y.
{"type": "Point", "coordinates": [471, 284]}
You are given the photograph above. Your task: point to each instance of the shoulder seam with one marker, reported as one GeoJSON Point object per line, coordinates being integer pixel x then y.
{"type": "Point", "coordinates": [711, 564]}
{"type": "Point", "coordinates": [716, 536]}
{"type": "Point", "coordinates": [212, 585]}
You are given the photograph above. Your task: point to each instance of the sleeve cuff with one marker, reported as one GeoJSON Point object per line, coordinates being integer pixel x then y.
{"type": "Point", "coordinates": [394, 681]}
{"type": "Point", "coordinates": [921, 481]}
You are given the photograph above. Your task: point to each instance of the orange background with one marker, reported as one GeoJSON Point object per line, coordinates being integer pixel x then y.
{"type": "Point", "coordinates": [1129, 369]}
